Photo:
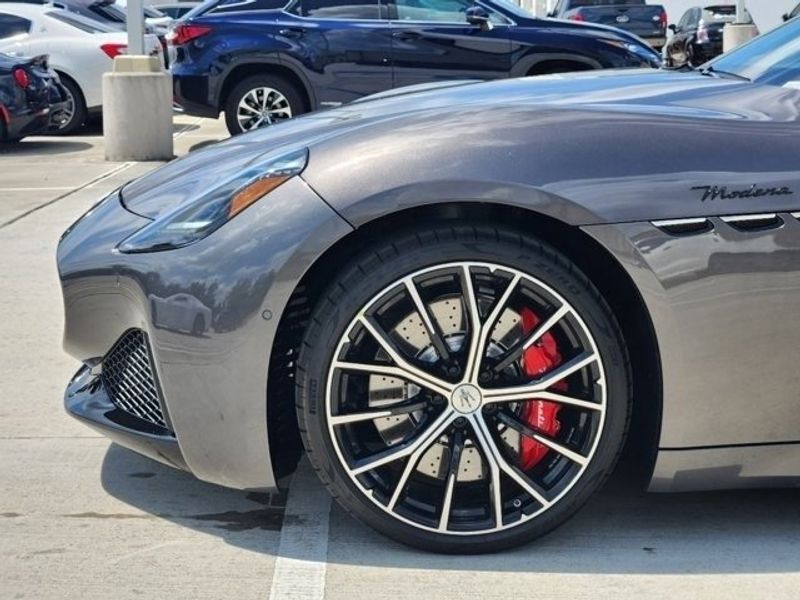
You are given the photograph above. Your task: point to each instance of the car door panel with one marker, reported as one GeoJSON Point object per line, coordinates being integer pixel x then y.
{"type": "Point", "coordinates": [424, 53]}
{"type": "Point", "coordinates": [344, 57]}
{"type": "Point", "coordinates": [432, 41]}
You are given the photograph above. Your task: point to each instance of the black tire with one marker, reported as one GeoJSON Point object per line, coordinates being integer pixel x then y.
{"type": "Point", "coordinates": [79, 111]}
{"type": "Point", "coordinates": [4, 133]}
{"type": "Point", "coordinates": [387, 262]}
{"type": "Point", "coordinates": [293, 96]}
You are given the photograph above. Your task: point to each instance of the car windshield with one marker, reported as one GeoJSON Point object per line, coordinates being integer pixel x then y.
{"type": "Point", "coordinates": [772, 59]}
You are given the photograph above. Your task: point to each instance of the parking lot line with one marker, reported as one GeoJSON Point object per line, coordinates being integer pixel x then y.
{"type": "Point", "coordinates": [87, 185]}
{"type": "Point", "coordinates": [303, 548]}
{"type": "Point", "coordinates": [35, 189]}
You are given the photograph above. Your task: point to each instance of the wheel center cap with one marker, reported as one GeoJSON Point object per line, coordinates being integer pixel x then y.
{"type": "Point", "coordinates": [466, 399]}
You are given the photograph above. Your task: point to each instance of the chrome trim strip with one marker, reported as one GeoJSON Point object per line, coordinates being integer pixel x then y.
{"type": "Point", "coordinates": [745, 218]}
{"type": "Point", "coordinates": [679, 222]}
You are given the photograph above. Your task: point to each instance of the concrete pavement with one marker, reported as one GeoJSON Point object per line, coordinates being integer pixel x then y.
{"type": "Point", "coordinates": [83, 518]}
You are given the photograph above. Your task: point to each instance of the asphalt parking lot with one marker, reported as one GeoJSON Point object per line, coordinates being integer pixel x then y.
{"type": "Point", "coordinates": [83, 518]}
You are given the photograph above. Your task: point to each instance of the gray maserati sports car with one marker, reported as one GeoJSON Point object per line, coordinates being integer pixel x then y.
{"type": "Point", "coordinates": [459, 301]}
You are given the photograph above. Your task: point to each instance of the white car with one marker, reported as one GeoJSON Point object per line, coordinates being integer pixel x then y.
{"type": "Point", "coordinates": [180, 312]}
{"type": "Point", "coordinates": [80, 50]}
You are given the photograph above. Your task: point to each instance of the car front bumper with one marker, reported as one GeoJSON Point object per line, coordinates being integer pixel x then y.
{"type": "Point", "coordinates": [212, 383]}
{"type": "Point", "coordinates": [87, 400]}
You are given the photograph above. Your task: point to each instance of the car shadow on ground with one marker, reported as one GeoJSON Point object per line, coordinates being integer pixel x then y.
{"type": "Point", "coordinates": [622, 530]}
{"type": "Point", "coordinates": [43, 147]}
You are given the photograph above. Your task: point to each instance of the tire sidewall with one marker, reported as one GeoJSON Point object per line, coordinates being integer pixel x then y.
{"type": "Point", "coordinates": [79, 111]}
{"type": "Point", "coordinates": [357, 287]}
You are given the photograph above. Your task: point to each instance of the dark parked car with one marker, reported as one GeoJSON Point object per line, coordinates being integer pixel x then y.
{"type": "Point", "coordinates": [636, 16]}
{"type": "Point", "coordinates": [697, 38]}
{"type": "Point", "coordinates": [463, 301]}
{"type": "Point", "coordinates": [792, 13]}
{"type": "Point", "coordinates": [271, 63]}
{"type": "Point", "coordinates": [31, 98]}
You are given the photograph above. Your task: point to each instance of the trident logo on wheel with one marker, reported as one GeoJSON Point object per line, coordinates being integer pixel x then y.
{"type": "Point", "coordinates": [466, 399]}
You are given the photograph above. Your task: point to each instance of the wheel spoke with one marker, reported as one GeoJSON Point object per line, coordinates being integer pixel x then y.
{"type": "Point", "coordinates": [410, 372]}
{"type": "Point", "coordinates": [545, 440]}
{"type": "Point", "coordinates": [286, 111]}
{"type": "Point", "coordinates": [515, 353]}
{"type": "Point", "coordinates": [568, 400]}
{"type": "Point", "coordinates": [479, 331]}
{"type": "Point", "coordinates": [490, 448]}
{"type": "Point", "coordinates": [413, 459]}
{"type": "Point", "coordinates": [434, 333]}
{"type": "Point", "coordinates": [525, 392]}
{"type": "Point", "coordinates": [249, 109]}
{"type": "Point", "coordinates": [402, 408]}
{"type": "Point", "coordinates": [456, 448]}
{"type": "Point", "coordinates": [431, 432]}
{"type": "Point", "coordinates": [471, 306]}
{"type": "Point", "coordinates": [489, 453]}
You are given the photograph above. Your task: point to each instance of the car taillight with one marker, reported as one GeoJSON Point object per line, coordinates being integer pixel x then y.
{"type": "Point", "coordinates": [21, 77]}
{"type": "Point", "coordinates": [114, 50]}
{"type": "Point", "coordinates": [183, 34]}
{"type": "Point", "coordinates": [576, 17]}
{"type": "Point", "coordinates": [663, 19]}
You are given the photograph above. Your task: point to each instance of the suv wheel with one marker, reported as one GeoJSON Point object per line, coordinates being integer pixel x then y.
{"type": "Point", "coordinates": [259, 101]}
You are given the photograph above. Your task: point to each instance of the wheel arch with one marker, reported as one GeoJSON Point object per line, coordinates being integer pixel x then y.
{"type": "Point", "coordinates": [260, 67]}
{"type": "Point", "coordinates": [534, 64]}
{"type": "Point", "coordinates": [590, 256]}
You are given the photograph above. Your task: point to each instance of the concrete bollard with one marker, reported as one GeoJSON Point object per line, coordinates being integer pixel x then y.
{"type": "Point", "coordinates": [137, 110]}
{"type": "Point", "coordinates": [736, 34]}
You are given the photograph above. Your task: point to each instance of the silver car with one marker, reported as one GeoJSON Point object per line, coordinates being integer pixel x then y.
{"type": "Point", "coordinates": [460, 302]}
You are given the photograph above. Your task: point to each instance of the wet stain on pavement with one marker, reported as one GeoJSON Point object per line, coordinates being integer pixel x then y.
{"type": "Point", "coordinates": [267, 519]}
{"type": "Point", "coordinates": [96, 515]}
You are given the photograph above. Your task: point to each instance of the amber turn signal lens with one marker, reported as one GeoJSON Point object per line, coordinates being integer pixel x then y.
{"type": "Point", "coordinates": [254, 191]}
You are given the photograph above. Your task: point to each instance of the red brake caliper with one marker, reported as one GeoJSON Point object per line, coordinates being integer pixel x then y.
{"type": "Point", "coordinates": [541, 415]}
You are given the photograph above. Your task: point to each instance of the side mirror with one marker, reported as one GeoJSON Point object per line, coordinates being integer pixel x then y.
{"type": "Point", "coordinates": [785, 16]}
{"type": "Point", "coordinates": [673, 28]}
{"type": "Point", "coordinates": [477, 15]}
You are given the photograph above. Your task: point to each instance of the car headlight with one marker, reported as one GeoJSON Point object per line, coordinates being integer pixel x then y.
{"type": "Point", "coordinates": [191, 222]}
{"type": "Point", "coordinates": [641, 50]}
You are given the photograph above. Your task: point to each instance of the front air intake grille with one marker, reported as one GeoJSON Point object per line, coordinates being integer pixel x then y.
{"type": "Point", "coordinates": [129, 379]}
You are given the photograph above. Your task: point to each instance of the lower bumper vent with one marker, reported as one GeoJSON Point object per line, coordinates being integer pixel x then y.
{"type": "Point", "coordinates": [129, 378]}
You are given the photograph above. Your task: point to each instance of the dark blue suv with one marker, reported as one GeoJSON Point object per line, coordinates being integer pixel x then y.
{"type": "Point", "coordinates": [261, 60]}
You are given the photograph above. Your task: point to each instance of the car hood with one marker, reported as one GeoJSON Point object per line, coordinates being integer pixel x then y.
{"type": "Point", "coordinates": [657, 95]}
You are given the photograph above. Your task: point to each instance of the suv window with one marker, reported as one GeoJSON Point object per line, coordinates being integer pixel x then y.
{"type": "Point", "coordinates": [228, 6]}
{"type": "Point", "coordinates": [439, 11]}
{"type": "Point", "coordinates": [340, 9]}
{"type": "Point", "coordinates": [11, 25]}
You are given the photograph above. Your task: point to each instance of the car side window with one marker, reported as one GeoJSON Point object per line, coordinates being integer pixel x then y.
{"type": "Point", "coordinates": [11, 25]}
{"type": "Point", "coordinates": [694, 19]}
{"type": "Point", "coordinates": [439, 11]}
{"type": "Point", "coordinates": [684, 21]}
{"type": "Point", "coordinates": [226, 6]}
{"type": "Point", "coordinates": [340, 9]}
